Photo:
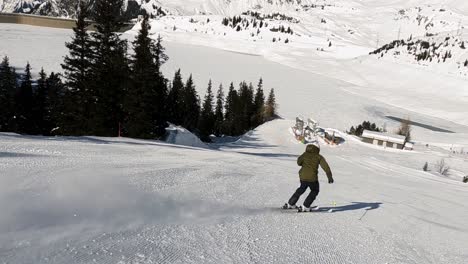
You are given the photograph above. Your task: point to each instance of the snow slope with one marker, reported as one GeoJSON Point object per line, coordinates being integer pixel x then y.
{"type": "Point", "coordinates": [107, 200]}
{"type": "Point", "coordinates": [104, 200]}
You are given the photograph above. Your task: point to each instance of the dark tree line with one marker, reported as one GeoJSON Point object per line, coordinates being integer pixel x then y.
{"type": "Point", "coordinates": [240, 111]}
{"type": "Point", "coordinates": [366, 125]}
{"type": "Point", "coordinates": [26, 107]}
{"type": "Point", "coordinates": [107, 92]}
{"type": "Point", "coordinates": [422, 50]}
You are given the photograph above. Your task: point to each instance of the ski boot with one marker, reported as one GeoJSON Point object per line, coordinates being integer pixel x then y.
{"type": "Point", "coordinates": [302, 209]}
{"type": "Point", "coordinates": [288, 206]}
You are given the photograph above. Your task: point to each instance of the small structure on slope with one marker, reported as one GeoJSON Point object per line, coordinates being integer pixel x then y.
{"type": "Point", "coordinates": [310, 131]}
{"type": "Point", "coordinates": [386, 140]}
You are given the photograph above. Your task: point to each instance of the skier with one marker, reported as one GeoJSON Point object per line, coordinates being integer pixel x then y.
{"type": "Point", "coordinates": [308, 174]}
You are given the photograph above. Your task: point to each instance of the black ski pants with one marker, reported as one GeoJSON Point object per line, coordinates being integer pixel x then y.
{"type": "Point", "coordinates": [314, 191]}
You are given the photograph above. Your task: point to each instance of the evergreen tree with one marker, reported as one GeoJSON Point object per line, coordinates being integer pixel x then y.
{"type": "Point", "coordinates": [161, 90]}
{"type": "Point", "coordinates": [191, 106]}
{"type": "Point", "coordinates": [77, 68]}
{"type": "Point", "coordinates": [54, 107]}
{"type": "Point", "coordinates": [219, 112]}
{"type": "Point", "coordinates": [110, 68]}
{"type": "Point", "coordinates": [207, 117]}
{"type": "Point", "coordinates": [144, 103]}
{"type": "Point", "coordinates": [24, 103]}
{"type": "Point", "coordinates": [270, 107]}
{"type": "Point", "coordinates": [40, 97]}
{"type": "Point", "coordinates": [259, 103]}
{"type": "Point", "coordinates": [231, 111]}
{"type": "Point", "coordinates": [174, 103]}
{"type": "Point", "coordinates": [160, 53]}
{"type": "Point", "coordinates": [246, 110]}
{"type": "Point", "coordinates": [7, 96]}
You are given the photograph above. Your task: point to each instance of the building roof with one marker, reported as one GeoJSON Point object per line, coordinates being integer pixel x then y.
{"type": "Point", "coordinates": [384, 137]}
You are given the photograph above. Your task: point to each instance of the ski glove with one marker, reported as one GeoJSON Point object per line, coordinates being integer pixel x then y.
{"type": "Point", "coordinates": [330, 181]}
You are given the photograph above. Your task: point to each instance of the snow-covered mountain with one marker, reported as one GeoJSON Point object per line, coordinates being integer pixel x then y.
{"type": "Point", "coordinates": [340, 29]}
{"type": "Point", "coordinates": [56, 8]}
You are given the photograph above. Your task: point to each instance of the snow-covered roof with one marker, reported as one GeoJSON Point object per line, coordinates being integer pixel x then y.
{"type": "Point", "coordinates": [384, 137]}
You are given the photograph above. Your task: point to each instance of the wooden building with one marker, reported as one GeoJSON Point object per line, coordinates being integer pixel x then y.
{"type": "Point", "coordinates": [386, 140]}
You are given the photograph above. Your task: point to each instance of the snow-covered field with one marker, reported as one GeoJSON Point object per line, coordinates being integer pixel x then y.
{"type": "Point", "coordinates": [108, 200]}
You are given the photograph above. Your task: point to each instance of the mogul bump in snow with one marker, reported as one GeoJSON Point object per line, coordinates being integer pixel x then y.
{"type": "Point", "coordinates": [308, 175]}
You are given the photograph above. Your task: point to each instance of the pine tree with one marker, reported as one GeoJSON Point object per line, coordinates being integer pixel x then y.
{"type": "Point", "coordinates": [110, 69]}
{"type": "Point", "coordinates": [270, 107]}
{"type": "Point", "coordinates": [250, 107]}
{"type": "Point", "coordinates": [77, 68]}
{"type": "Point", "coordinates": [259, 103]}
{"type": "Point", "coordinates": [40, 98]}
{"type": "Point", "coordinates": [144, 100]}
{"type": "Point", "coordinates": [207, 117]}
{"type": "Point", "coordinates": [219, 112]}
{"type": "Point", "coordinates": [174, 102]}
{"type": "Point", "coordinates": [7, 96]}
{"type": "Point", "coordinates": [191, 106]}
{"type": "Point", "coordinates": [24, 102]}
{"type": "Point", "coordinates": [231, 111]}
{"type": "Point", "coordinates": [54, 107]}
{"type": "Point", "coordinates": [161, 89]}
{"type": "Point", "coordinates": [160, 53]}
{"type": "Point", "coordinates": [241, 116]}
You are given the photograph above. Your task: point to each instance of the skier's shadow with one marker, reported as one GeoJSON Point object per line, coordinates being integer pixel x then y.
{"type": "Point", "coordinates": [350, 207]}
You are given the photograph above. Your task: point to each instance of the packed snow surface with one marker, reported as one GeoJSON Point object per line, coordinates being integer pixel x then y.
{"type": "Point", "coordinates": [108, 200]}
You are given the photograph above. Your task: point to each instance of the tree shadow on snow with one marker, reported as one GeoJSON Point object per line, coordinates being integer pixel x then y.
{"type": "Point", "coordinates": [246, 141]}
{"type": "Point", "coordinates": [101, 141]}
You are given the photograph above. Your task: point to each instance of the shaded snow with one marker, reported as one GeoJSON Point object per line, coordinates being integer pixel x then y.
{"type": "Point", "coordinates": [181, 136]}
